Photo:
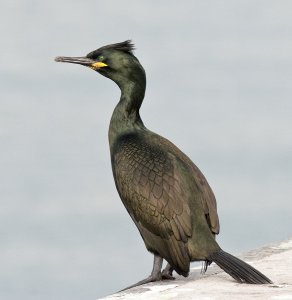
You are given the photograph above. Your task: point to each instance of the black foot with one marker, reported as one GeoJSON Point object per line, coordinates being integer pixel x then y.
{"type": "Point", "coordinates": [156, 274]}
{"type": "Point", "coordinates": [167, 273]}
{"type": "Point", "coordinates": [151, 278]}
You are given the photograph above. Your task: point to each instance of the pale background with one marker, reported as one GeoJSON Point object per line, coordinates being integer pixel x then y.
{"type": "Point", "coordinates": [219, 86]}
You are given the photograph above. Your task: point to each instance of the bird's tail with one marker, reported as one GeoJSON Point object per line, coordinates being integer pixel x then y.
{"type": "Point", "coordinates": [238, 269]}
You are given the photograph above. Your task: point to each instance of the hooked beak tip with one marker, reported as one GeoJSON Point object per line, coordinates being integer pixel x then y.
{"type": "Point", "coordinates": [58, 59]}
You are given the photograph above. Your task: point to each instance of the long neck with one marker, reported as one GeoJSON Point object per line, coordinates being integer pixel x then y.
{"type": "Point", "coordinates": [126, 114]}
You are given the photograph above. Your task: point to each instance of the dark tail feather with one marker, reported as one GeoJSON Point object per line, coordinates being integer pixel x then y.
{"type": "Point", "coordinates": [238, 269]}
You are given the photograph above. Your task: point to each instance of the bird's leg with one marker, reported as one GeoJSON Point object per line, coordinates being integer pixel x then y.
{"type": "Point", "coordinates": [155, 274]}
{"type": "Point", "coordinates": [167, 272]}
{"type": "Point", "coordinates": [156, 270]}
{"type": "Point", "coordinates": [205, 265]}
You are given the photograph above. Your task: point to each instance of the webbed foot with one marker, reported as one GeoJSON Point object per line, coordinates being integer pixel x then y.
{"type": "Point", "coordinates": [149, 279]}
{"type": "Point", "coordinates": [156, 274]}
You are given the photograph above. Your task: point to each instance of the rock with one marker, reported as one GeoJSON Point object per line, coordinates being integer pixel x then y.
{"type": "Point", "coordinates": [274, 261]}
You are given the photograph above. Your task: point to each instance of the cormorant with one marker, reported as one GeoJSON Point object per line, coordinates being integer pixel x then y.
{"type": "Point", "coordinates": [164, 192]}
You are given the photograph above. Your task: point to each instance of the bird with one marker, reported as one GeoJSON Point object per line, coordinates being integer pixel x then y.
{"type": "Point", "coordinates": [164, 192]}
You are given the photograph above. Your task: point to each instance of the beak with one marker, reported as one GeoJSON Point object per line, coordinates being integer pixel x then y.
{"type": "Point", "coordinates": [84, 61]}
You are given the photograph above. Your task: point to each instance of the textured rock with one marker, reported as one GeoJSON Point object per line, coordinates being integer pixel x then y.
{"type": "Point", "coordinates": [274, 261]}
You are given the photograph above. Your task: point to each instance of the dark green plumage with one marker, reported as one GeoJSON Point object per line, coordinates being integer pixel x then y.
{"type": "Point", "coordinates": [166, 195]}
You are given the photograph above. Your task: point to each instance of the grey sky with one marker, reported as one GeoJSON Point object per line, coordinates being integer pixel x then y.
{"type": "Point", "coordinates": [218, 85]}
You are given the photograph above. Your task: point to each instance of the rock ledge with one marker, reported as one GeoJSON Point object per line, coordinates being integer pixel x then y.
{"type": "Point", "coordinates": [274, 261]}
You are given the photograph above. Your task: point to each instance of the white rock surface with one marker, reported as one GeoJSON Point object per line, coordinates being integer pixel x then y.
{"type": "Point", "coordinates": [274, 261]}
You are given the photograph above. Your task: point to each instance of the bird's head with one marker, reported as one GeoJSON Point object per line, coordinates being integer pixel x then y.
{"type": "Point", "coordinates": [115, 61]}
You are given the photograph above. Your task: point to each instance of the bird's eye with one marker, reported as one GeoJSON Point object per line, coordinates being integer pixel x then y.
{"type": "Point", "coordinates": [100, 58]}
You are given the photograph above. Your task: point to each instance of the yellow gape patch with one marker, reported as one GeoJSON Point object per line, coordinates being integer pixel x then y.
{"type": "Point", "coordinates": [98, 65]}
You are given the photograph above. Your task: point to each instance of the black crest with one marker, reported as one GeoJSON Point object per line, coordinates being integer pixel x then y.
{"type": "Point", "coordinates": [126, 46]}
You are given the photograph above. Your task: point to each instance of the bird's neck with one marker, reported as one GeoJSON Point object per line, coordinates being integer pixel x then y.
{"type": "Point", "coordinates": [126, 115]}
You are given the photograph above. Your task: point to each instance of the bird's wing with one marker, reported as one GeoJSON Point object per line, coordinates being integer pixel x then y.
{"type": "Point", "coordinates": [206, 194]}
{"type": "Point", "coordinates": [152, 191]}
{"type": "Point", "coordinates": [208, 200]}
